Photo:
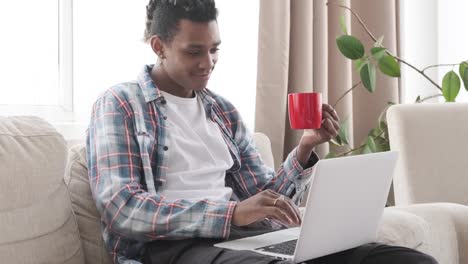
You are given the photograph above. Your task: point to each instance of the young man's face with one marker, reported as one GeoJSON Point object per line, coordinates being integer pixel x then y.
{"type": "Point", "coordinates": [192, 53]}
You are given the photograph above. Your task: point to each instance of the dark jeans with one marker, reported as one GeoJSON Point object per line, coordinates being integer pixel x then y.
{"type": "Point", "coordinates": [202, 251]}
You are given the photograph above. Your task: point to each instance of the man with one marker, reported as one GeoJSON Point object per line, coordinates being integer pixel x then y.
{"type": "Point", "coordinates": [173, 169]}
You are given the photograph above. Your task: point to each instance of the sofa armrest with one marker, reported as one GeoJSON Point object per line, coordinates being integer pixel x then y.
{"type": "Point", "coordinates": [447, 239]}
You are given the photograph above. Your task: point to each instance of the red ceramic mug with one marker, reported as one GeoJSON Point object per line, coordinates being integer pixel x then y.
{"type": "Point", "coordinates": [305, 110]}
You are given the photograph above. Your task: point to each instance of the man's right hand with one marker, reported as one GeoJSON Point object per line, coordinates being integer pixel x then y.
{"type": "Point", "coordinates": [266, 204]}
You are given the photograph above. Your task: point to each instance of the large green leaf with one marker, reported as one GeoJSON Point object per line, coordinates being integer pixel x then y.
{"type": "Point", "coordinates": [343, 132]}
{"type": "Point", "coordinates": [451, 86]}
{"type": "Point", "coordinates": [371, 143]}
{"type": "Point", "coordinates": [368, 77]}
{"type": "Point", "coordinates": [465, 79]}
{"type": "Point", "coordinates": [382, 144]}
{"type": "Point", "coordinates": [383, 125]}
{"type": "Point", "coordinates": [374, 132]}
{"type": "Point", "coordinates": [464, 74]}
{"type": "Point", "coordinates": [337, 141]}
{"type": "Point", "coordinates": [350, 46]}
{"type": "Point", "coordinates": [378, 53]}
{"type": "Point", "coordinates": [389, 66]}
{"type": "Point", "coordinates": [366, 150]}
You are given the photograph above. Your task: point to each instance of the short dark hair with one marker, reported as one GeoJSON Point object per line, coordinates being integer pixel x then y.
{"type": "Point", "coordinates": [163, 16]}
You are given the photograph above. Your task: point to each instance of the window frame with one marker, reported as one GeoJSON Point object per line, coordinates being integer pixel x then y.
{"type": "Point", "coordinates": [62, 112]}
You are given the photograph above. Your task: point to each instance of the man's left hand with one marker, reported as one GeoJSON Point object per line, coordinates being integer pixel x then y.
{"type": "Point", "coordinates": [328, 130]}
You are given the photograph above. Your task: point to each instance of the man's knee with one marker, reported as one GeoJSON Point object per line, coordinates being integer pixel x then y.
{"type": "Point", "coordinates": [384, 254]}
{"type": "Point", "coordinates": [420, 258]}
{"type": "Point", "coordinates": [427, 259]}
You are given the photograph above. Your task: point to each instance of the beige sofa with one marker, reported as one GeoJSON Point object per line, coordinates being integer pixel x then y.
{"type": "Point", "coordinates": [47, 214]}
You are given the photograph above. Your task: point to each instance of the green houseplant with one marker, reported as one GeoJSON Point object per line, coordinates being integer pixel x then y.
{"type": "Point", "coordinates": [380, 58]}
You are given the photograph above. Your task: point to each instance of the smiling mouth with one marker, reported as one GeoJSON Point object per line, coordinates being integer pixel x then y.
{"type": "Point", "coordinates": [203, 76]}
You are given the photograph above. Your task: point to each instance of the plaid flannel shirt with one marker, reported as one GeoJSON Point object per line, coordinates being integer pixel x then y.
{"type": "Point", "coordinates": [126, 152]}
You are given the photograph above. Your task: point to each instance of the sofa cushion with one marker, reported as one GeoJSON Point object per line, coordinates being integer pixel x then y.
{"type": "Point", "coordinates": [37, 222]}
{"type": "Point", "coordinates": [76, 177]}
{"type": "Point", "coordinates": [400, 228]}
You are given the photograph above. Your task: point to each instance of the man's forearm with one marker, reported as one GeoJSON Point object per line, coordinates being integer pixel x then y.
{"type": "Point", "coordinates": [304, 151]}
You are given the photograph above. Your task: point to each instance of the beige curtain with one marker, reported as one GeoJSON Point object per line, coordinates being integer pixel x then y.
{"type": "Point", "coordinates": [297, 53]}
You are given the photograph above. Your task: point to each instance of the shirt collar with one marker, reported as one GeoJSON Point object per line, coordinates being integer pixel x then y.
{"type": "Point", "coordinates": [147, 86]}
{"type": "Point", "coordinates": [151, 92]}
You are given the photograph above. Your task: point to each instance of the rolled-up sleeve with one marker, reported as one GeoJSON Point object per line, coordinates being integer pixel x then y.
{"type": "Point", "coordinates": [254, 176]}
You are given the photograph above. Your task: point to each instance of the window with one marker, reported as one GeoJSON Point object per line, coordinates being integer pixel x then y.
{"type": "Point", "coordinates": [432, 32]}
{"type": "Point", "coordinates": [235, 76]}
{"type": "Point", "coordinates": [108, 51]}
{"type": "Point", "coordinates": [57, 61]}
{"type": "Point", "coordinates": [108, 48]}
{"type": "Point", "coordinates": [31, 55]}
{"type": "Point", "coordinates": [453, 40]}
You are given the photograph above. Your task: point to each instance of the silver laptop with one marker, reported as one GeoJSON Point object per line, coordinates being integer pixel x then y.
{"type": "Point", "coordinates": [343, 210]}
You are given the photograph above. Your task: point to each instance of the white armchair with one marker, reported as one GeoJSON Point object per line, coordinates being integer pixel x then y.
{"type": "Point", "coordinates": [433, 145]}
{"type": "Point", "coordinates": [436, 229]}
{"type": "Point", "coordinates": [432, 169]}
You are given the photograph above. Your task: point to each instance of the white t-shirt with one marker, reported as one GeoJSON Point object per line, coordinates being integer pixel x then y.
{"type": "Point", "coordinates": [198, 155]}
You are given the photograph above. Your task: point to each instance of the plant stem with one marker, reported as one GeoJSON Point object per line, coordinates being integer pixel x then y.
{"type": "Point", "coordinates": [348, 91]}
{"type": "Point", "coordinates": [360, 21]}
{"type": "Point", "coordinates": [389, 53]}
{"type": "Point", "coordinates": [438, 65]}
{"type": "Point", "coordinates": [360, 147]}
{"type": "Point", "coordinates": [430, 97]}
{"type": "Point", "coordinates": [418, 70]}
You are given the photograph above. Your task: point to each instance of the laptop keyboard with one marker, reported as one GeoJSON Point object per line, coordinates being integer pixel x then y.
{"type": "Point", "coordinates": [285, 248]}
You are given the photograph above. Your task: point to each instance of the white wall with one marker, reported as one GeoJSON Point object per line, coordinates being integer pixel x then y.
{"type": "Point", "coordinates": [432, 32]}
{"type": "Point", "coordinates": [418, 46]}
{"type": "Point", "coordinates": [453, 37]}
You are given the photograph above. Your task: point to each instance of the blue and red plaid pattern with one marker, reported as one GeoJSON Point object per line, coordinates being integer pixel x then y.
{"type": "Point", "coordinates": [126, 152]}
